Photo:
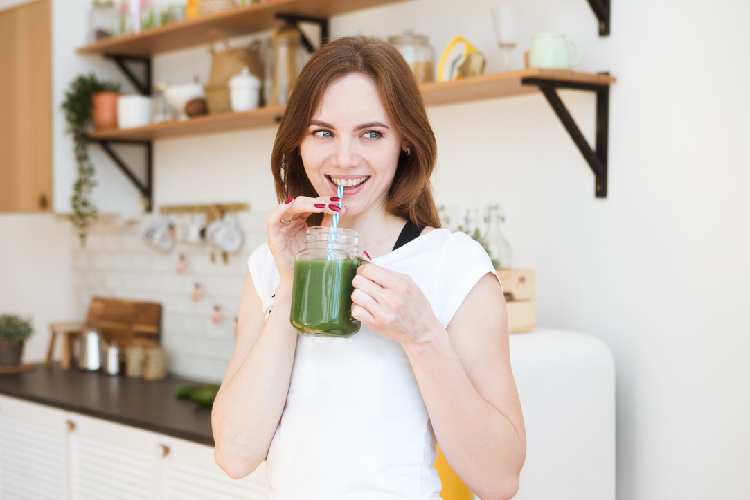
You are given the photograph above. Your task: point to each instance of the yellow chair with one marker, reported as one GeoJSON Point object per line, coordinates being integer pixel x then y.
{"type": "Point", "coordinates": [453, 487]}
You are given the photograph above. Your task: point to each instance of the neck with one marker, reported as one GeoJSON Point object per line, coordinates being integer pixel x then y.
{"type": "Point", "coordinates": [378, 229]}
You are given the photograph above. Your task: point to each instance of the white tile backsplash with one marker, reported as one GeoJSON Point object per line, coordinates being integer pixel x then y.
{"type": "Point", "coordinates": [115, 263]}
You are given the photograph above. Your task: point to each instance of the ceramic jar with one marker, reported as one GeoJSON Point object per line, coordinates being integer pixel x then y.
{"type": "Point", "coordinates": [245, 89]}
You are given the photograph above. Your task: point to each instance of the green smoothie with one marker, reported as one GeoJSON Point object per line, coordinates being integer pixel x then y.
{"type": "Point", "coordinates": [322, 297]}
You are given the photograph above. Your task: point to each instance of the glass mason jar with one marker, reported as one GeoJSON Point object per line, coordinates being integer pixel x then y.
{"type": "Point", "coordinates": [497, 246]}
{"type": "Point", "coordinates": [322, 291]}
{"type": "Point", "coordinates": [101, 19]}
{"type": "Point", "coordinates": [418, 53]}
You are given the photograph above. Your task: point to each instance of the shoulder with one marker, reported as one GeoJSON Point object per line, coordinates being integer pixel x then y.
{"type": "Point", "coordinates": [462, 263]}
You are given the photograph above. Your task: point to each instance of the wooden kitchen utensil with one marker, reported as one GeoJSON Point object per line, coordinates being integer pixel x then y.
{"type": "Point", "coordinates": [519, 288]}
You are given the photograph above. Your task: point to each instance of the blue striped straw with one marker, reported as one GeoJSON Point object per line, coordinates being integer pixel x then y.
{"type": "Point", "coordinates": [341, 198]}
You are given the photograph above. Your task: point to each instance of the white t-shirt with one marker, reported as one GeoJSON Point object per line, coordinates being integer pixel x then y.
{"type": "Point", "coordinates": [355, 426]}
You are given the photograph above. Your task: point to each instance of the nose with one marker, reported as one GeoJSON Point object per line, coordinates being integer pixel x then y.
{"type": "Point", "coordinates": [344, 156]}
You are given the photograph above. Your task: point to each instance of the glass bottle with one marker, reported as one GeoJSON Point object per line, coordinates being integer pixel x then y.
{"type": "Point", "coordinates": [322, 290]}
{"type": "Point", "coordinates": [161, 111]}
{"type": "Point", "coordinates": [497, 246]}
{"type": "Point", "coordinates": [418, 54]}
{"type": "Point", "coordinates": [101, 20]}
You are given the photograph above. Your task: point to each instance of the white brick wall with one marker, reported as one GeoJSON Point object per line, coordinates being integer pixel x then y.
{"type": "Point", "coordinates": [116, 263]}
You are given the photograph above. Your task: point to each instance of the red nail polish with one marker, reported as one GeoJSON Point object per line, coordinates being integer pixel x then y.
{"type": "Point", "coordinates": [333, 207]}
{"type": "Point", "coordinates": [335, 198]}
{"type": "Point", "coordinates": [287, 202]}
{"type": "Point", "coordinates": [319, 205]}
{"type": "Point", "coordinates": [367, 255]}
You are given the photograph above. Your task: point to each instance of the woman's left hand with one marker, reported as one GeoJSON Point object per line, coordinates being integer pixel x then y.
{"type": "Point", "coordinates": [392, 304]}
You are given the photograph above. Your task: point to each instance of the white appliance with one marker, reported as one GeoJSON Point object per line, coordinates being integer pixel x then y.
{"type": "Point", "coordinates": [566, 382]}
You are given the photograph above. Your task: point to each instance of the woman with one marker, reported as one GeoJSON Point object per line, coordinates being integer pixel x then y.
{"type": "Point", "coordinates": [358, 418]}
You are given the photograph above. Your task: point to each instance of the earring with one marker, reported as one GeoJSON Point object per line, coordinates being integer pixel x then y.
{"type": "Point", "coordinates": [408, 150]}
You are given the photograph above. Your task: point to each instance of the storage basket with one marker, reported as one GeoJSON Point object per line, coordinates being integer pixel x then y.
{"type": "Point", "coordinates": [208, 7]}
{"type": "Point", "coordinates": [218, 98]}
{"type": "Point", "coordinates": [229, 62]}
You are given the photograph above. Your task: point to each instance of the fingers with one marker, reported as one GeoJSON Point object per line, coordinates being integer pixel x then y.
{"type": "Point", "coordinates": [368, 287]}
{"type": "Point", "coordinates": [300, 208]}
{"type": "Point", "coordinates": [362, 314]}
{"type": "Point", "coordinates": [381, 276]}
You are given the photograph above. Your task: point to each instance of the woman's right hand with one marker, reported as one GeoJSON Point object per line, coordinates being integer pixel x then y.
{"type": "Point", "coordinates": [287, 226]}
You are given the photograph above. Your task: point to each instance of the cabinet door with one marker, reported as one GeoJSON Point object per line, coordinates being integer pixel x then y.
{"type": "Point", "coordinates": [112, 461]}
{"type": "Point", "coordinates": [26, 108]}
{"type": "Point", "coordinates": [190, 473]}
{"type": "Point", "coordinates": [32, 451]}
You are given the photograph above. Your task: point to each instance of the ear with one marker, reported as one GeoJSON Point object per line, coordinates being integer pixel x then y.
{"type": "Point", "coordinates": [404, 146]}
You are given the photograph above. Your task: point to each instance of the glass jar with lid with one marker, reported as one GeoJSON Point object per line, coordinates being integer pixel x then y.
{"type": "Point", "coordinates": [101, 20]}
{"type": "Point", "coordinates": [322, 290]}
{"type": "Point", "coordinates": [418, 54]}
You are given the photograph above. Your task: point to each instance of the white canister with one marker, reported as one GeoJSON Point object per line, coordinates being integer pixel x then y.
{"type": "Point", "coordinates": [245, 91]}
{"type": "Point", "coordinates": [133, 111]}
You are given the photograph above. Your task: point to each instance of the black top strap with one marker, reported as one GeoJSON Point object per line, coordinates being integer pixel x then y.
{"type": "Point", "coordinates": [410, 232]}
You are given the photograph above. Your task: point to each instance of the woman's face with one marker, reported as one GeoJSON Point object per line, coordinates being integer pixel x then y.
{"type": "Point", "coordinates": [352, 141]}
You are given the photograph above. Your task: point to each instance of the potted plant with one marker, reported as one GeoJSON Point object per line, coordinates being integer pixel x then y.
{"type": "Point", "coordinates": [78, 108]}
{"type": "Point", "coordinates": [14, 330]}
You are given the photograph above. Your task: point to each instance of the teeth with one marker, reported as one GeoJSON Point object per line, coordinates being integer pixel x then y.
{"type": "Point", "coordinates": [348, 182]}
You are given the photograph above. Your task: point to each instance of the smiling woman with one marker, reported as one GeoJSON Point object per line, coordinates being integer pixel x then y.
{"type": "Point", "coordinates": [359, 417]}
{"type": "Point", "coordinates": [379, 82]}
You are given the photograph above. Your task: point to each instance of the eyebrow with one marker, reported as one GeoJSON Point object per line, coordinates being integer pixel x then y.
{"type": "Point", "coordinates": [321, 123]}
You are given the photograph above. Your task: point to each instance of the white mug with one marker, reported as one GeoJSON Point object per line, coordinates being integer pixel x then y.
{"type": "Point", "coordinates": [196, 229]}
{"type": "Point", "coordinates": [551, 51]}
{"type": "Point", "coordinates": [157, 235]}
{"type": "Point", "coordinates": [228, 237]}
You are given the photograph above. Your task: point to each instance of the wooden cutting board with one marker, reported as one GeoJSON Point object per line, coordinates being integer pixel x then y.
{"type": "Point", "coordinates": [128, 322]}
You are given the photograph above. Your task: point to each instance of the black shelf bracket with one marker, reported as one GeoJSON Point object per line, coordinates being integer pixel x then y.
{"type": "Point", "coordinates": [596, 158]}
{"type": "Point", "coordinates": [146, 189]}
{"type": "Point", "coordinates": [603, 11]}
{"type": "Point", "coordinates": [295, 20]}
{"type": "Point", "coordinates": [143, 86]}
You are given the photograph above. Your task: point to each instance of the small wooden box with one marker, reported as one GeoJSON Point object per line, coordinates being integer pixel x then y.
{"type": "Point", "coordinates": [519, 288]}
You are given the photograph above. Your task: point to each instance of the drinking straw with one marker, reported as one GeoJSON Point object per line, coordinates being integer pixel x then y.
{"type": "Point", "coordinates": [336, 215]}
{"type": "Point", "coordinates": [335, 221]}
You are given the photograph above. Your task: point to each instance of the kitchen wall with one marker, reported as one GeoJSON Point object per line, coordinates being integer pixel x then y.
{"type": "Point", "coordinates": [658, 270]}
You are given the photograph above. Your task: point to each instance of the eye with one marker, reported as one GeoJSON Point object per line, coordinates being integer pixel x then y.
{"type": "Point", "coordinates": [322, 133]}
{"type": "Point", "coordinates": [373, 134]}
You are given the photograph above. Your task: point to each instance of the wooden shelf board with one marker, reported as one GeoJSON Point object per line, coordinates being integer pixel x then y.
{"type": "Point", "coordinates": [496, 85]}
{"type": "Point", "coordinates": [492, 86]}
{"type": "Point", "coordinates": [262, 117]}
{"type": "Point", "coordinates": [238, 21]}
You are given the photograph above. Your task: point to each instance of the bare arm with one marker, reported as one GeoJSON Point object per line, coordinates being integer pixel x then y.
{"type": "Point", "coordinates": [465, 378]}
{"type": "Point", "coordinates": [463, 373]}
{"type": "Point", "coordinates": [253, 393]}
{"type": "Point", "coordinates": [249, 404]}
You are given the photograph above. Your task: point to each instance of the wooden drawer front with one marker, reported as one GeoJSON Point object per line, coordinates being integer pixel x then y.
{"type": "Point", "coordinates": [518, 284]}
{"type": "Point", "coordinates": [521, 316]}
{"type": "Point", "coordinates": [32, 461]}
{"type": "Point", "coordinates": [191, 473]}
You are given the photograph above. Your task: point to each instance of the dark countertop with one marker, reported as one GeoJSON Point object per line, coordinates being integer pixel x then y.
{"type": "Point", "coordinates": [149, 405]}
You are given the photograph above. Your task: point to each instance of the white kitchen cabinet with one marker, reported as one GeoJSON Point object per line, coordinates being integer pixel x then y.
{"type": "Point", "coordinates": [112, 461]}
{"type": "Point", "coordinates": [51, 454]}
{"type": "Point", "coordinates": [33, 458]}
{"type": "Point", "coordinates": [190, 473]}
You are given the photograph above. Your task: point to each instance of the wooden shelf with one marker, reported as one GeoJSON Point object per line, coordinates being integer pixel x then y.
{"type": "Point", "coordinates": [232, 22]}
{"type": "Point", "coordinates": [470, 89]}
{"type": "Point", "coordinates": [262, 117]}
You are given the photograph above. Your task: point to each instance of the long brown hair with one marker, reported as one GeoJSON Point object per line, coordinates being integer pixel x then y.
{"type": "Point", "coordinates": [410, 195]}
